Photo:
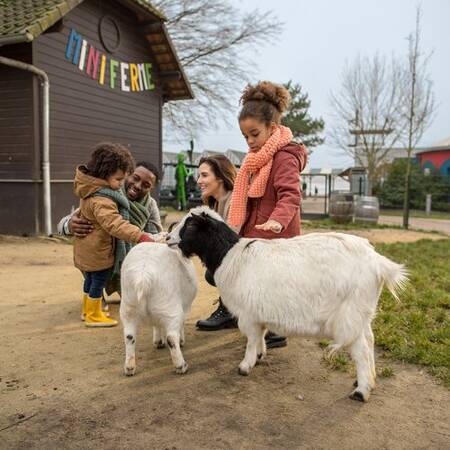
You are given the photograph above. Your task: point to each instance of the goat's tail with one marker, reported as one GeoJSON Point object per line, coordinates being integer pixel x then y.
{"type": "Point", "coordinates": [394, 275]}
{"type": "Point", "coordinates": [143, 286]}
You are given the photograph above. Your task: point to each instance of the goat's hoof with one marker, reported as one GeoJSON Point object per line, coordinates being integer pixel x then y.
{"type": "Point", "coordinates": [355, 383]}
{"type": "Point", "coordinates": [182, 369]}
{"type": "Point", "coordinates": [243, 370]}
{"type": "Point", "coordinates": [130, 371]}
{"type": "Point", "coordinates": [182, 342]}
{"type": "Point", "coordinates": [159, 344]}
{"type": "Point", "coordinates": [359, 396]}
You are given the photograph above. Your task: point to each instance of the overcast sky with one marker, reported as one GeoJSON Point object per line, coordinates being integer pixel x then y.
{"type": "Point", "coordinates": [321, 35]}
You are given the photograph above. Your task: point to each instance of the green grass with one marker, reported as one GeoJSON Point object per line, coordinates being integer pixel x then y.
{"type": "Point", "coordinates": [416, 329]}
{"type": "Point", "coordinates": [416, 213]}
{"type": "Point", "coordinates": [328, 224]}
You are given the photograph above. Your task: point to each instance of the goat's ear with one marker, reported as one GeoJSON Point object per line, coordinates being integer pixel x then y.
{"type": "Point", "coordinates": [200, 219]}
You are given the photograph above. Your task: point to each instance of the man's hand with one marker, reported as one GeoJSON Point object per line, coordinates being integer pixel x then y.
{"type": "Point", "coordinates": [79, 226]}
{"type": "Point", "coordinates": [270, 225]}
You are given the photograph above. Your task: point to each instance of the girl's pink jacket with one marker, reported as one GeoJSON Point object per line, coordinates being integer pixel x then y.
{"type": "Point", "coordinates": [281, 200]}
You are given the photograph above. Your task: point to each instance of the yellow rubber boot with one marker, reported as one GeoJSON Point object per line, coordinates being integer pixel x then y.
{"type": "Point", "coordinates": [95, 317]}
{"type": "Point", "coordinates": [84, 307]}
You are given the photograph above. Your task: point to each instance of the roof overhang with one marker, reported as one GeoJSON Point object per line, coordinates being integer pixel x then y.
{"type": "Point", "coordinates": [174, 82]}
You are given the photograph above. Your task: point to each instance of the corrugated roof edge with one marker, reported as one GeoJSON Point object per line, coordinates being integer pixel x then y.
{"type": "Point", "coordinates": [42, 24]}
{"type": "Point", "coordinates": [152, 9]}
{"type": "Point", "coordinates": [36, 29]}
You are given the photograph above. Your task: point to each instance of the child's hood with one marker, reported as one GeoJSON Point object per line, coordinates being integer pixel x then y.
{"type": "Point", "coordinates": [86, 185]}
{"type": "Point", "coordinates": [299, 151]}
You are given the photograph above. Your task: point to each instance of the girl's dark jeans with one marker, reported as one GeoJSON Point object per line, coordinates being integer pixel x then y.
{"type": "Point", "coordinates": [94, 282]}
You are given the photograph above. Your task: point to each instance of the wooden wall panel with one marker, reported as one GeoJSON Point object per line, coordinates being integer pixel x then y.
{"type": "Point", "coordinates": [16, 110]}
{"type": "Point", "coordinates": [83, 112]}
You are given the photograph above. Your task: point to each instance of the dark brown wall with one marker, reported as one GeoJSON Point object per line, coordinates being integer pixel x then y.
{"type": "Point", "coordinates": [82, 112]}
{"type": "Point", "coordinates": [16, 127]}
{"type": "Point", "coordinates": [17, 199]}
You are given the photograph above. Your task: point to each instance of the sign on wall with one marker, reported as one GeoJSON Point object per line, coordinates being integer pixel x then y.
{"type": "Point", "coordinates": [129, 77]}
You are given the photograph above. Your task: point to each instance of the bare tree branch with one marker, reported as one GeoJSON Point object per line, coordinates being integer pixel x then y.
{"type": "Point", "coordinates": [367, 111]}
{"type": "Point", "coordinates": [211, 37]}
{"type": "Point", "coordinates": [419, 105]}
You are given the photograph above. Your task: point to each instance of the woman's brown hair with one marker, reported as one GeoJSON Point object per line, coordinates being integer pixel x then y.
{"type": "Point", "coordinates": [223, 169]}
{"type": "Point", "coordinates": [265, 101]}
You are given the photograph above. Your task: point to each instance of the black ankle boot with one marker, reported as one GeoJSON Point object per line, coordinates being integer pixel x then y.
{"type": "Point", "coordinates": [275, 341]}
{"type": "Point", "coordinates": [221, 318]}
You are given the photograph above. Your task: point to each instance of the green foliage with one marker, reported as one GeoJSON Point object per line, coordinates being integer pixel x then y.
{"type": "Point", "coordinates": [329, 224]}
{"type": "Point", "coordinates": [386, 372]}
{"type": "Point", "coordinates": [391, 192]}
{"type": "Point", "coordinates": [341, 362]}
{"type": "Point", "coordinates": [416, 329]}
{"type": "Point", "coordinates": [297, 117]}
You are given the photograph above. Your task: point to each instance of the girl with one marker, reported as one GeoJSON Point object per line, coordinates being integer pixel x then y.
{"type": "Point", "coordinates": [216, 175]}
{"type": "Point", "coordinates": [266, 198]}
{"type": "Point", "coordinates": [98, 185]}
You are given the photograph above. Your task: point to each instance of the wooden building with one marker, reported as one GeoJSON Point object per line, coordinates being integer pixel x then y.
{"type": "Point", "coordinates": [111, 66]}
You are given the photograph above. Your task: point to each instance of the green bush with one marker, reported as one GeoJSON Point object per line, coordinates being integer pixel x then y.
{"type": "Point", "coordinates": [391, 192]}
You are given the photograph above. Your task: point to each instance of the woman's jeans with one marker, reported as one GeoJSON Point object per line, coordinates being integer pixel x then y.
{"type": "Point", "coordinates": [94, 282]}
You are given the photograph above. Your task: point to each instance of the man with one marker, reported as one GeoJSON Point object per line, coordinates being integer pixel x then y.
{"type": "Point", "coordinates": [138, 187]}
{"type": "Point", "coordinates": [144, 211]}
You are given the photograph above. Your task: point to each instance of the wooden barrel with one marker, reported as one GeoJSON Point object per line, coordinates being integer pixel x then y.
{"type": "Point", "coordinates": [341, 207]}
{"type": "Point", "coordinates": [367, 209]}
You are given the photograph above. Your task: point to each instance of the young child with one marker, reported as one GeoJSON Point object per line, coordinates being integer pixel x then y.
{"type": "Point", "coordinates": [266, 196]}
{"type": "Point", "coordinates": [102, 202]}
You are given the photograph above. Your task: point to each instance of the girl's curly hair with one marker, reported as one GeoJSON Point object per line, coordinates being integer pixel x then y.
{"type": "Point", "coordinates": [107, 158]}
{"type": "Point", "coordinates": [265, 101]}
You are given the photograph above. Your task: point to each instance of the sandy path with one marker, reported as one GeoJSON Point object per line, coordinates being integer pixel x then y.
{"type": "Point", "coordinates": [439, 225]}
{"type": "Point", "coordinates": [62, 386]}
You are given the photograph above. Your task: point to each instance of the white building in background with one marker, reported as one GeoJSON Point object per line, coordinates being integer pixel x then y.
{"type": "Point", "coordinates": [322, 178]}
{"type": "Point", "coordinates": [360, 158]}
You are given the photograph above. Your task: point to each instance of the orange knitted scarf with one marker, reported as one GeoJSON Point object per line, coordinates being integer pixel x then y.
{"type": "Point", "coordinates": [252, 177]}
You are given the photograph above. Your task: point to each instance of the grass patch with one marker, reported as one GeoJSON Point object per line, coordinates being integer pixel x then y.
{"type": "Point", "coordinates": [340, 361]}
{"type": "Point", "coordinates": [328, 224]}
{"type": "Point", "coordinates": [416, 213]}
{"type": "Point", "coordinates": [386, 372]}
{"type": "Point", "coordinates": [416, 329]}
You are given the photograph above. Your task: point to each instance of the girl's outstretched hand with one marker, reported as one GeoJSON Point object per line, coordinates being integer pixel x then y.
{"type": "Point", "coordinates": [270, 225]}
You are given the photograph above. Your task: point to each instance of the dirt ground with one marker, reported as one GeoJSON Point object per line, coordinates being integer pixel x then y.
{"type": "Point", "coordinates": [62, 385]}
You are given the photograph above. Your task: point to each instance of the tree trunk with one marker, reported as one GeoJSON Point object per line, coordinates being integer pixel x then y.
{"type": "Point", "coordinates": [407, 193]}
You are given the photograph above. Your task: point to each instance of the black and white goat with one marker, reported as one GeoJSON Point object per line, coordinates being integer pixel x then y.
{"type": "Point", "coordinates": [158, 284]}
{"type": "Point", "coordinates": [320, 284]}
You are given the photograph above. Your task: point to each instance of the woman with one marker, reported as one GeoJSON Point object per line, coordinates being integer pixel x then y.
{"type": "Point", "coordinates": [216, 175]}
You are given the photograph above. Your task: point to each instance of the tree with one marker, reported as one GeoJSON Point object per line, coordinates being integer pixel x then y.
{"type": "Point", "coordinates": [368, 111]}
{"type": "Point", "coordinates": [392, 192]}
{"type": "Point", "coordinates": [297, 117]}
{"type": "Point", "coordinates": [211, 37]}
{"type": "Point", "coordinates": [419, 104]}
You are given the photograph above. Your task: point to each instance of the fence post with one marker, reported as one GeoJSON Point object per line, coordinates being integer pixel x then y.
{"type": "Point", "coordinates": [428, 204]}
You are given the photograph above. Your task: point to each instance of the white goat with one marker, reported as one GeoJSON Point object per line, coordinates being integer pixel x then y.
{"type": "Point", "coordinates": [160, 284]}
{"type": "Point", "coordinates": [319, 284]}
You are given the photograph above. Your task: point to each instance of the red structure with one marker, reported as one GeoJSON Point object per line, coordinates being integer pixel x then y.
{"type": "Point", "coordinates": [436, 158]}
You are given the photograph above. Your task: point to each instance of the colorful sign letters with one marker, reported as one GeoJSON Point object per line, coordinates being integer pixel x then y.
{"type": "Point", "coordinates": [129, 77]}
